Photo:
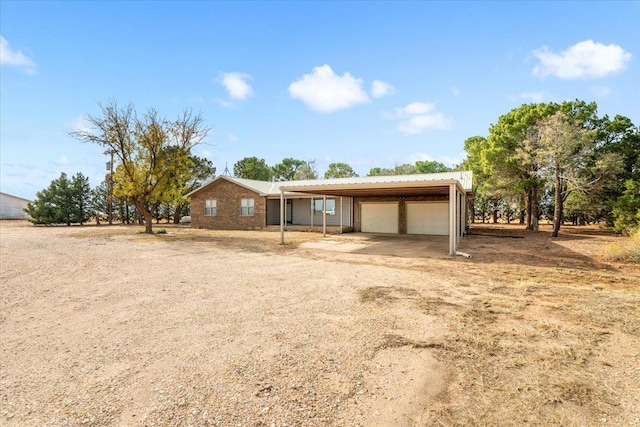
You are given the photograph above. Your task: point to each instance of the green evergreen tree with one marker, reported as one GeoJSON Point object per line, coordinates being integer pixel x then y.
{"type": "Point", "coordinates": [63, 202]}
{"type": "Point", "coordinates": [80, 199]}
{"type": "Point", "coordinates": [99, 203]}
{"type": "Point", "coordinates": [339, 170]}
{"type": "Point", "coordinates": [626, 210]}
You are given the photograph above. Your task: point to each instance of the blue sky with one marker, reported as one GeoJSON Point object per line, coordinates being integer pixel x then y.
{"type": "Point", "coordinates": [366, 83]}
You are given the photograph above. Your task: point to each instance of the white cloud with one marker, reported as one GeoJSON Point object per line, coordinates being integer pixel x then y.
{"type": "Point", "coordinates": [415, 108]}
{"type": "Point", "coordinates": [420, 116]}
{"type": "Point", "coordinates": [324, 91]}
{"type": "Point", "coordinates": [419, 157]}
{"type": "Point", "coordinates": [15, 58]}
{"type": "Point", "coordinates": [236, 85]}
{"type": "Point", "coordinates": [380, 89]}
{"type": "Point", "coordinates": [232, 137]}
{"type": "Point", "coordinates": [62, 160]}
{"type": "Point", "coordinates": [536, 97]}
{"type": "Point", "coordinates": [455, 91]}
{"type": "Point", "coordinates": [419, 124]}
{"type": "Point", "coordinates": [446, 160]}
{"type": "Point", "coordinates": [601, 91]}
{"type": "Point", "coordinates": [224, 103]}
{"type": "Point", "coordinates": [585, 59]}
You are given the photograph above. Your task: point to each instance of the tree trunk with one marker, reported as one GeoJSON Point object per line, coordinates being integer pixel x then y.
{"type": "Point", "coordinates": [178, 214]}
{"type": "Point", "coordinates": [148, 222]}
{"type": "Point", "coordinates": [534, 209]}
{"type": "Point", "coordinates": [558, 203]}
{"type": "Point", "coordinates": [147, 214]}
{"type": "Point", "coordinates": [527, 208]}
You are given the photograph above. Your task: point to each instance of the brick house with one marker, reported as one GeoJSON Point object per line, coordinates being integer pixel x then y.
{"type": "Point", "coordinates": [429, 204]}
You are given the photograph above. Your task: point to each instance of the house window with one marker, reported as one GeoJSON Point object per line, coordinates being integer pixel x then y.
{"type": "Point", "coordinates": [246, 207]}
{"type": "Point", "coordinates": [210, 207]}
{"type": "Point", "coordinates": [331, 206]}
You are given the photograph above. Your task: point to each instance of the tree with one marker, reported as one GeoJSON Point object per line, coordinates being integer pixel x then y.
{"type": "Point", "coordinates": [509, 160]}
{"type": "Point", "coordinates": [404, 169]}
{"type": "Point", "coordinates": [45, 208]}
{"type": "Point", "coordinates": [475, 147]}
{"type": "Point", "coordinates": [152, 152]}
{"type": "Point", "coordinates": [339, 170]}
{"type": "Point", "coordinates": [521, 158]}
{"type": "Point", "coordinates": [430, 166]}
{"type": "Point", "coordinates": [252, 168]}
{"type": "Point", "coordinates": [80, 199]}
{"type": "Point", "coordinates": [619, 141]}
{"type": "Point", "coordinates": [287, 169]}
{"type": "Point", "coordinates": [307, 171]}
{"type": "Point", "coordinates": [567, 151]}
{"type": "Point", "coordinates": [626, 209]}
{"type": "Point", "coordinates": [199, 171]}
{"type": "Point", "coordinates": [99, 202]}
{"type": "Point", "coordinates": [63, 202]}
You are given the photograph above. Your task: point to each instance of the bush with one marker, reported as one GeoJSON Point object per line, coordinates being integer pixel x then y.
{"type": "Point", "coordinates": [628, 250]}
{"type": "Point", "coordinates": [626, 210]}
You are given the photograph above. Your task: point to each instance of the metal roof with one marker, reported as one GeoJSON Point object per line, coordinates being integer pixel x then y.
{"type": "Point", "coordinates": [357, 186]}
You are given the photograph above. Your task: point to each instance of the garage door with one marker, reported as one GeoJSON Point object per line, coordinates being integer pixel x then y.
{"type": "Point", "coordinates": [428, 218]}
{"type": "Point", "coordinates": [379, 217]}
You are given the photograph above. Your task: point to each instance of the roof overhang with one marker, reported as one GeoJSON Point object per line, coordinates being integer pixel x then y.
{"type": "Point", "coordinates": [378, 189]}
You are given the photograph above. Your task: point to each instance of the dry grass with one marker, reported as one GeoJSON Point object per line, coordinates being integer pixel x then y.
{"type": "Point", "coordinates": [536, 346]}
{"type": "Point", "coordinates": [628, 249]}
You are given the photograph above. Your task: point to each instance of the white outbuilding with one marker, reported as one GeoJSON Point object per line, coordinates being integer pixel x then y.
{"type": "Point", "coordinates": [12, 207]}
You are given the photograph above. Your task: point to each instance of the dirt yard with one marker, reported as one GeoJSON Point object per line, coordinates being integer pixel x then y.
{"type": "Point", "coordinates": [105, 326]}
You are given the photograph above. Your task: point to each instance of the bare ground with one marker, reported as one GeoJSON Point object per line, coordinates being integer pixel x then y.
{"type": "Point", "coordinates": [104, 326]}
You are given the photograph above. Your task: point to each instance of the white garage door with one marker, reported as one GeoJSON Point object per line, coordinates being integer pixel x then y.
{"type": "Point", "coordinates": [379, 217]}
{"type": "Point", "coordinates": [428, 218]}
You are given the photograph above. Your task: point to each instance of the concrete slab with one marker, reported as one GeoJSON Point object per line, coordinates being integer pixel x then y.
{"type": "Point", "coordinates": [401, 245]}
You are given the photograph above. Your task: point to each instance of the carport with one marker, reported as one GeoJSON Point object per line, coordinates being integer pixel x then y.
{"type": "Point", "coordinates": [450, 188]}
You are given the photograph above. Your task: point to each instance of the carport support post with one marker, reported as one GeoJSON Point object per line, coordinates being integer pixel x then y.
{"type": "Point", "coordinates": [452, 219]}
{"type": "Point", "coordinates": [464, 213]}
{"type": "Point", "coordinates": [324, 216]}
{"type": "Point", "coordinates": [282, 210]}
{"type": "Point", "coordinates": [340, 214]}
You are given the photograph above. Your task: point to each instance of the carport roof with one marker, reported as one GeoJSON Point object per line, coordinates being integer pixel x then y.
{"type": "Point", "coordinates": [395, 185]}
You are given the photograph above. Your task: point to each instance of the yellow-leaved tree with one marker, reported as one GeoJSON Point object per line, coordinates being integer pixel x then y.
{"type": "Point", "coordinates": [152, 154]}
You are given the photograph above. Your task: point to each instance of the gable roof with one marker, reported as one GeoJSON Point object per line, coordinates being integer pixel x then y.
{"type": "Point", "coordinates": [264, 188]}
{"type": "Point", "coordinates": [337, 186]}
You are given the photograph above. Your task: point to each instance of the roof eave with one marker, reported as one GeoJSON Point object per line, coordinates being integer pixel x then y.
{"type": "Point", "coordinates": [373, 185]}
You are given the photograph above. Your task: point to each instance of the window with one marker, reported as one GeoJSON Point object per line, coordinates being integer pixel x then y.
{"type": "Point", "coordinates": [210, 207]}
{"type": "Point", "coordinates": [331, 206]}
{"type": "Point", "coordinates": [246, 207]}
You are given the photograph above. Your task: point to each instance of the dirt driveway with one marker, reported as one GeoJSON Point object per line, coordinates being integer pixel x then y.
{"type": "Point", "coordinates": [104, 326]}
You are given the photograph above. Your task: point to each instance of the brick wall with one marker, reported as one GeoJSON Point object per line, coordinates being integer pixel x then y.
{"type": "Point", "coordinates": [228, 196]}
{"type": "Point", "coordinates": [402, 207]}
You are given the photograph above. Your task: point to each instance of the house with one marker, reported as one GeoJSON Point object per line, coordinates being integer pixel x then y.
{"type": "Point", "coordinates": [431, 204]}
{"type": "Point", "coordinates": [12, 207]}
